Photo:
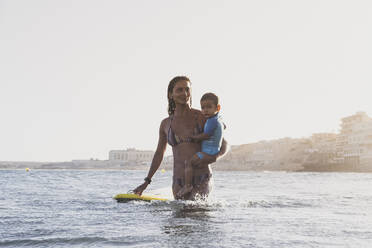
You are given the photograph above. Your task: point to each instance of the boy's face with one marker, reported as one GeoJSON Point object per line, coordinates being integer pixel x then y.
{"type": "Point", "coordinates": [209, 108]}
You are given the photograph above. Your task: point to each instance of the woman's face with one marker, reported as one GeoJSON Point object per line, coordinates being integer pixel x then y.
{"type": "Point", "coordinates": [181, 93]}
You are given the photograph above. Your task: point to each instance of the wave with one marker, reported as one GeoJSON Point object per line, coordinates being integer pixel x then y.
{"type": "Point", "coordinates": [48, 242]}
{"type": "Point", "coordinates": [212, 204]}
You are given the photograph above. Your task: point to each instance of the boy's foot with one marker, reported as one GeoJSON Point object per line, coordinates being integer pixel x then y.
{"type": "Point", "coordinates": [185, 189]}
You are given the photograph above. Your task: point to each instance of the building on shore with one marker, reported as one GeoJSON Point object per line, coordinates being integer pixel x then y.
{"type": "Point", "coordinates": [131, 156]}
{"type": "Point", "coordinates": [280, 154]}
{"type": "Point", "coordinates": [354, 145]}
{"type": "Point", "coordinates": [348, 150]}
{"type": "Point", "coordinates": [322, 152]}
{"type": "Point", "coordinates": [324, 142]}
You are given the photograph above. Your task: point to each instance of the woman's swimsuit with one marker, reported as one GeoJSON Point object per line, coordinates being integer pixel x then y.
{"type": "Point", "coordinates": [174, 140]}
{"type": "Point", "coordinates": [196, 180]}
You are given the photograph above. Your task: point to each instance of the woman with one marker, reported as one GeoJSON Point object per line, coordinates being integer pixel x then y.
{"type": "Point", "coordinates": [183, 121]}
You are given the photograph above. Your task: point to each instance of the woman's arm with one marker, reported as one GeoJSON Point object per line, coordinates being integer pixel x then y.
{"type": "Point", "coordinates": [156, 161]}
{"type": "Point", "coordinates": [224, 149]}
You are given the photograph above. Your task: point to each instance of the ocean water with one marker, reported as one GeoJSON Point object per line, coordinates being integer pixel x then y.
{"type": "Point", "coordinates": [59, 208]}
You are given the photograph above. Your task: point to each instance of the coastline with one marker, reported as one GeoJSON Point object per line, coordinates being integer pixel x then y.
{"type": "Point", "coordinates": [218, 166]}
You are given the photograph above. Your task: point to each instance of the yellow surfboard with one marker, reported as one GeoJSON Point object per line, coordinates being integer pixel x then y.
{"type": "Point", "coordinates": [134, 197]}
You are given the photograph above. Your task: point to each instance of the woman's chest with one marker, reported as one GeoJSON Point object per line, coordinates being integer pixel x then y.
{"type": "Point", "coordinates": [186, 126]}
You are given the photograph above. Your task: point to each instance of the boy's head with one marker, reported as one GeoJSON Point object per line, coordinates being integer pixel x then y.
{"type": "Point", "coordinates": [210, 104]}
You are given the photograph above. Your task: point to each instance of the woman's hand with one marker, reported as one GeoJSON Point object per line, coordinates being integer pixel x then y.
{"type": "Point", "coordinates": [207, 159]}
{"type": "Point", "coordinates": [140, 188]}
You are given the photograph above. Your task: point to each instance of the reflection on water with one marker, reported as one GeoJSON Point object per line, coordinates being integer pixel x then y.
{"type": "Point", "coordinates": [186, 218]}
{"type": "Point", "coordinates": [193, 211]}
{"type": "Point", "coordinates": [191, 223]}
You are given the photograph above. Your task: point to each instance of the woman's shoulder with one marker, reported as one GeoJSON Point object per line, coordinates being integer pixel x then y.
{"type": "Point", "coordinates": [164, 124]}
{"type": "Point", "coordinates": [196, 112]}
{"type": "Point", "coordinates": [165, 121]}
{"type": "Point", "coordinates": [198, 115]}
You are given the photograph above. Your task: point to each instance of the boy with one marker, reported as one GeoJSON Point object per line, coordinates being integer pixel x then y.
{"type": "Point", "coordinates": [211, 138]}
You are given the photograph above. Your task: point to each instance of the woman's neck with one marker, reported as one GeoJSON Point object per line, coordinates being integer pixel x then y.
{"type": "Point", "coordinates": [182, 109]}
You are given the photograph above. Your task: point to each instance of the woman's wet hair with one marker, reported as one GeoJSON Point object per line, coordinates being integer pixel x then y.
{"type": "Point", "coordinates": [172, 83]}
{"type": "Point", "coordinates": [210, 96]}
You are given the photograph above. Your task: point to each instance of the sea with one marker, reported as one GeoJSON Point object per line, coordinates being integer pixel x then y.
{"type": "Point", "coordinates": [72, 208]}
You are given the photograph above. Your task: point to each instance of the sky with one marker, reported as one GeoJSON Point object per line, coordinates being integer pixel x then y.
{"type": "Point", "coordinates": [80, 78]}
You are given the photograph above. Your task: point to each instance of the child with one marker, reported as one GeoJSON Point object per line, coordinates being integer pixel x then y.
{"type": "Point", "coordinates": [211, 138]}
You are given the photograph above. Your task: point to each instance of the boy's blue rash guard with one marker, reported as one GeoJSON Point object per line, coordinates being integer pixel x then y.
{"type": "Point", "coordinates": [213, 127]}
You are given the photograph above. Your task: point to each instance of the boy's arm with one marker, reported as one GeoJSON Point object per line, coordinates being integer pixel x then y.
{"type": "Point", "coordinates": [209, 127]}
{"type": "Point", "coordinates": [200, 137]}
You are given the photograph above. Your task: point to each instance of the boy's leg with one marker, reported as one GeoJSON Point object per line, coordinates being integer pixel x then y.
{"type": "Point", "coordinates": [199, 160]}
{"type": "Point", "coordinates": [189, 172]}
{"type": "Point", "coordinates": [188, 176]}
